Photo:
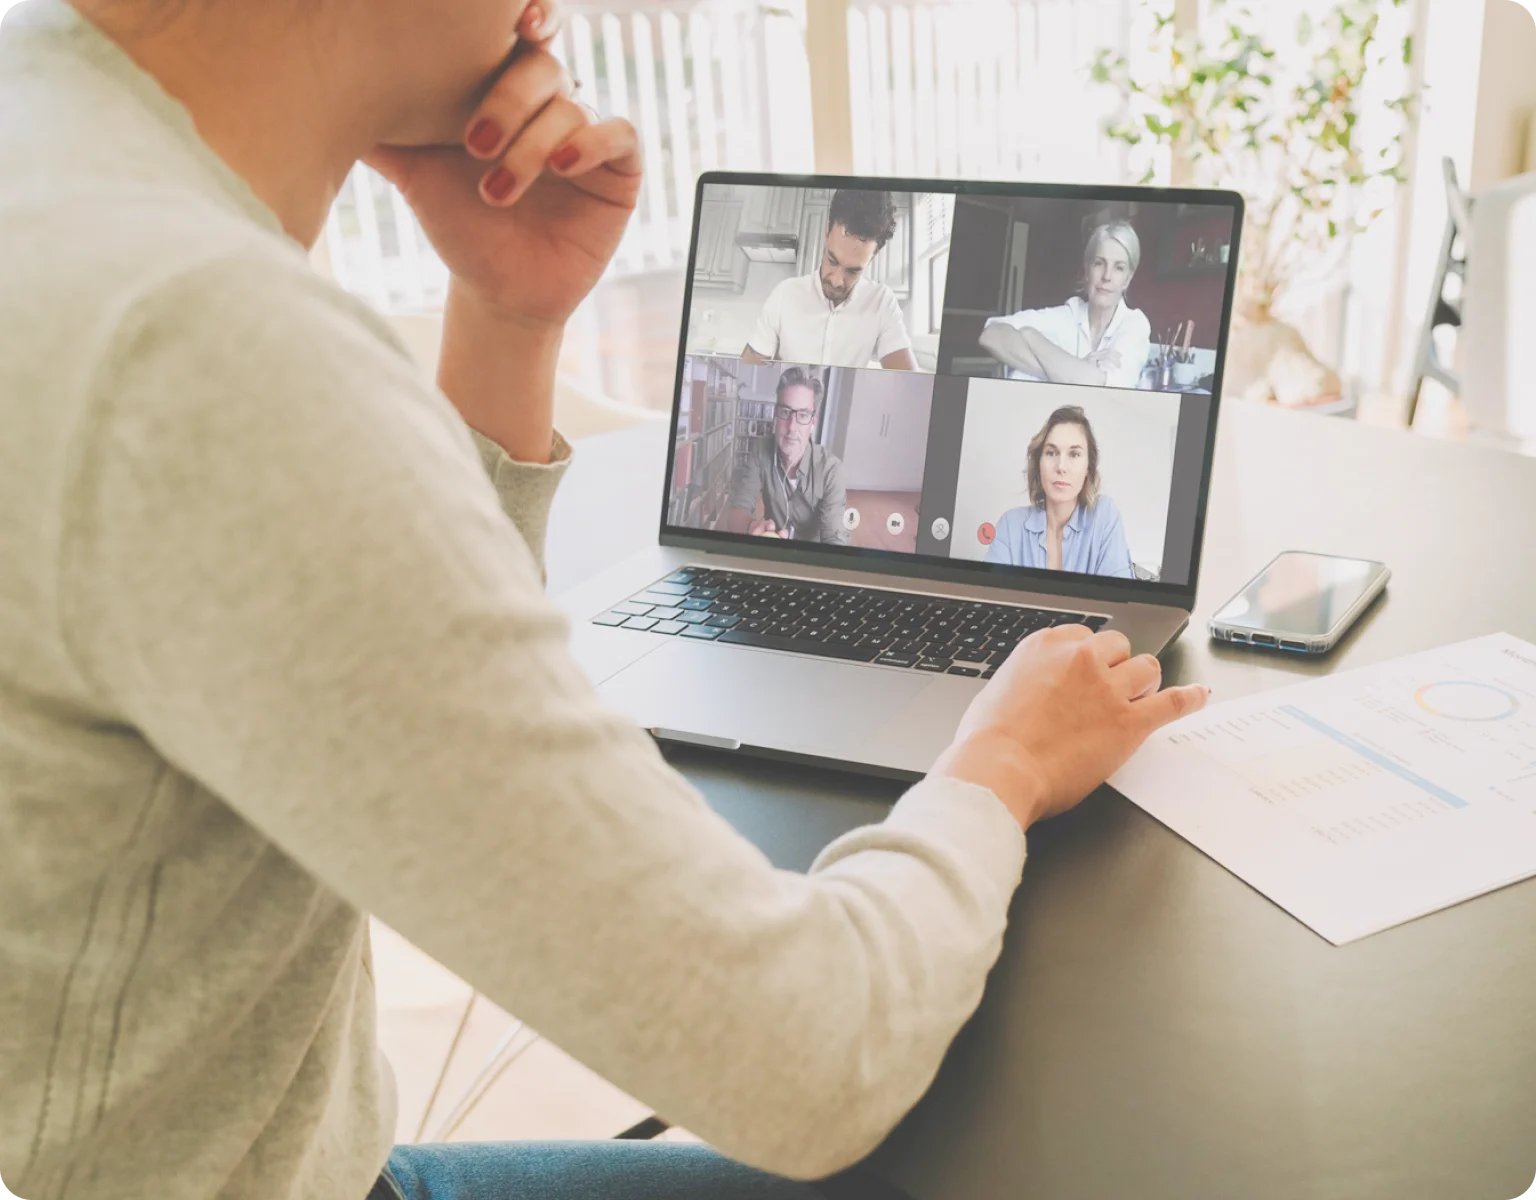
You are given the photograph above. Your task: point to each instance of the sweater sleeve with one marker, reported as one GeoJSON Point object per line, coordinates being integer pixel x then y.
{"type": "Point", "coordinates": [525, 490]}
{"type": "Point", "coordinates": [283, 570]}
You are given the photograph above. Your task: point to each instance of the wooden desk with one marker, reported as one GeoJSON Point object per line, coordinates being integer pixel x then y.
{"type": "Point", "coordinates": [1155, 1029]}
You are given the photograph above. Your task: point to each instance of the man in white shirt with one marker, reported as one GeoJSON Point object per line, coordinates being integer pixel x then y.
{"type": "Point", "coordinates": [834, 316]}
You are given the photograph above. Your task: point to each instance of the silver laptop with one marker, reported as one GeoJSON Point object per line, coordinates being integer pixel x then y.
{"type": "Point", "coordinates": [914, 422]}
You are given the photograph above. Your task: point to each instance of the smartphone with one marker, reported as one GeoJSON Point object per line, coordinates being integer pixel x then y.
{"type": "Point", "coordinates": [1301, 602]}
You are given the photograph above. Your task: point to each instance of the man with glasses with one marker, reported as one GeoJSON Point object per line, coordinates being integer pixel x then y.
{"type": "Point", "coordinates": [799, 483]}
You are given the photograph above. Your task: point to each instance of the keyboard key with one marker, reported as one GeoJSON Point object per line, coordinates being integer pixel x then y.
{"type": "Point", "coordinates": [896, 660]}
{"type": "Point", "coordinates": [989, 672]}
{"type": "Point", "coordinates": [693, 618]}
{"type": "Point", "coordinates": [630, 608]}
{"type": "Point", "coordinates": [702, 593]}
{"type": "Point", "coordinates": [703, 632]}
{"type": "Point", "coordinates": [765, 641]}
{"type": "Point", "coordinates": [611, 618]}
{"type": "Point", "coordinates": [696, 605]}
{"type": "Point", "coordinates": [724, 622]}
{"type": "Point", "coordinates": [654, 599]}
{"type": "Point", "coordinates": [671, 589]}
{"type": "Point", "coordinates": [1068, 619]}
{"type": "Point", "coordinates": [969, 654]}
{"type": "Point", "coordinates": [670, 628]}
{"type": "Point", "coordinates": [642, 624]}
{"type": "Point", "coordinates": [686, 575]}
{"type": "Point", "coordinates": [936, 665]}
{"type": "Point", "coordinates": [957, 669]}
{"type": "Point", "coordinates": [664, 614]}
{"type": "Point", "coordinates": [1096, 623]}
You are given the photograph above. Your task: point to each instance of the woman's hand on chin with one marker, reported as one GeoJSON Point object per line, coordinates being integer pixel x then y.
{"type": "Point", "coordinates": [528, 212]}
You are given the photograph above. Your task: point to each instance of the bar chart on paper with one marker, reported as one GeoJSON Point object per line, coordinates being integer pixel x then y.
{"type": "Point", "coordinates": [1365, 799]}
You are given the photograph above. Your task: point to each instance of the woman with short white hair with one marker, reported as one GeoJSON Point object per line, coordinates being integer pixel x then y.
{"type": "Point", "coordinates": [1093, 338]}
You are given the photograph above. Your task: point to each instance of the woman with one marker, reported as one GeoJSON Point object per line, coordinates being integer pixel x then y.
{"type": "Point", "coordinates": [1093, 338]}
{"type": "Point", "coordinates": [273, 656]}
{"type": "Point", "coordinates": [1069, 524]}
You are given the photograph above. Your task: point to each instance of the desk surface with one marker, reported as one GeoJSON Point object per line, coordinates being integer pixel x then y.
{"type": "Point", "coordinates": [1155, 1028]}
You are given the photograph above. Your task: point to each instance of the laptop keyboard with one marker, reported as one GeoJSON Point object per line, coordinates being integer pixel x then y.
{"type": "Point", "coordinates": [867, 625]}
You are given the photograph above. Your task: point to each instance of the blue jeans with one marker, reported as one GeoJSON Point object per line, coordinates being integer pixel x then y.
{"type": "Point", "coordinates": [616, 1170]}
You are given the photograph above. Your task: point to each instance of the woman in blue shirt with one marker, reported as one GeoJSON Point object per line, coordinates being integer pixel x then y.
{"type": "Point", "coordinates": [1068, 525]}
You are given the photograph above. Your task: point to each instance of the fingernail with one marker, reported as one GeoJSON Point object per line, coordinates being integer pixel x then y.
{"type": "Point", "coordinates": [485, 137]}
{"type": "Point", "coordinates": [533, 18]}
{"type": "Point", "coordinates": [499, 184]}
{"type": "Point", "coordinates": [564, 158]}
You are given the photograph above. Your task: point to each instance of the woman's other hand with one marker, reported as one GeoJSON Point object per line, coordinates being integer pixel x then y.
{"type": "Point", "coordinates": [528, 212]}
{"type": "Point", "coordinates": [1065, 712]}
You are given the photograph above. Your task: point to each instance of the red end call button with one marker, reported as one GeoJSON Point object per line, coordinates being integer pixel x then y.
{"type": "Point", "coordinates": [986, 534]}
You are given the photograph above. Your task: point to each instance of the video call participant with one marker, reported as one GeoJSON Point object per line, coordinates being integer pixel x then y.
{"type": "Point", "coordinates": [1095, 338]}
{"type": "Point", "coordinates": [1069, 525]}
{"type": "Point", "coordinates": [799, 482]}
{"type": "Point", "coordinates": [834, 315]}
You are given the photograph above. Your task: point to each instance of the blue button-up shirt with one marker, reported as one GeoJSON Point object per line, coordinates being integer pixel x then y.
{"type": "Point", "coordinates": [1093, 543]}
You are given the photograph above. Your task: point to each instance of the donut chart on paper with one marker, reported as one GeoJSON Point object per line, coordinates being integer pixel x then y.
{"type": "Point", "coordinates": [1466, 700]}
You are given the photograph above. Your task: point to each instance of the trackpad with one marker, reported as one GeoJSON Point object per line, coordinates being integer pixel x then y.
{"type": "Point", "coordinates": [759, 698]}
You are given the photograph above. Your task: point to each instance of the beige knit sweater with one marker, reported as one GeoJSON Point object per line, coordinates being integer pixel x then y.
{"type": "Point", "coordinates": [273, 656]}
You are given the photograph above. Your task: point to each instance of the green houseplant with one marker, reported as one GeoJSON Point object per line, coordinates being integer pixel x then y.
{"type": "Point", "coordinates": [1286, 131]}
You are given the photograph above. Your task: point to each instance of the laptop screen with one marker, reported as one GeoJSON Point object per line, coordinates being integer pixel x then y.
{"type": "Point", "coordinates": [1019, 380]}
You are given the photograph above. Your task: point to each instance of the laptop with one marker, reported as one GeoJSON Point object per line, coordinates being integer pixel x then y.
{"type": "Point", "coordinates": [913, 422]}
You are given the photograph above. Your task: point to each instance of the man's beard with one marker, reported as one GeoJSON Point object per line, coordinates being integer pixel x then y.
{"type": "Point", "coordinates": [831, 293]}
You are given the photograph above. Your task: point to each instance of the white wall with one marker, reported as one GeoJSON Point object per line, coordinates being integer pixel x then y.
{"type": "Point", "coordinates": [1136, 432]}
{"type": "Point", "coordinates": [885, 446]}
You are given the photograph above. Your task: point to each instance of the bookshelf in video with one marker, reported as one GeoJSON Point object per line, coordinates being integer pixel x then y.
{"type": "Point", "coordinates": [1017, 381]}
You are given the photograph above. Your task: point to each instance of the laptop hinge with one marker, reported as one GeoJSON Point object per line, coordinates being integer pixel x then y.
{"type": "Point", "coordinates": [695, 739]}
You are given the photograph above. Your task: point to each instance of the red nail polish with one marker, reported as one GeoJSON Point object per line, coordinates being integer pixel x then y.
{"type": "Point", "coordinates": [499, 184]}
{"type": "Point", "coordinates": [485, 136]}
{"type": "Point", "coordinates": [564, 158]}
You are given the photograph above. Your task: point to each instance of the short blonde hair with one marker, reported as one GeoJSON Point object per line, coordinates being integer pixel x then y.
{"type": "Point", "coordinates": [1114, 231]}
